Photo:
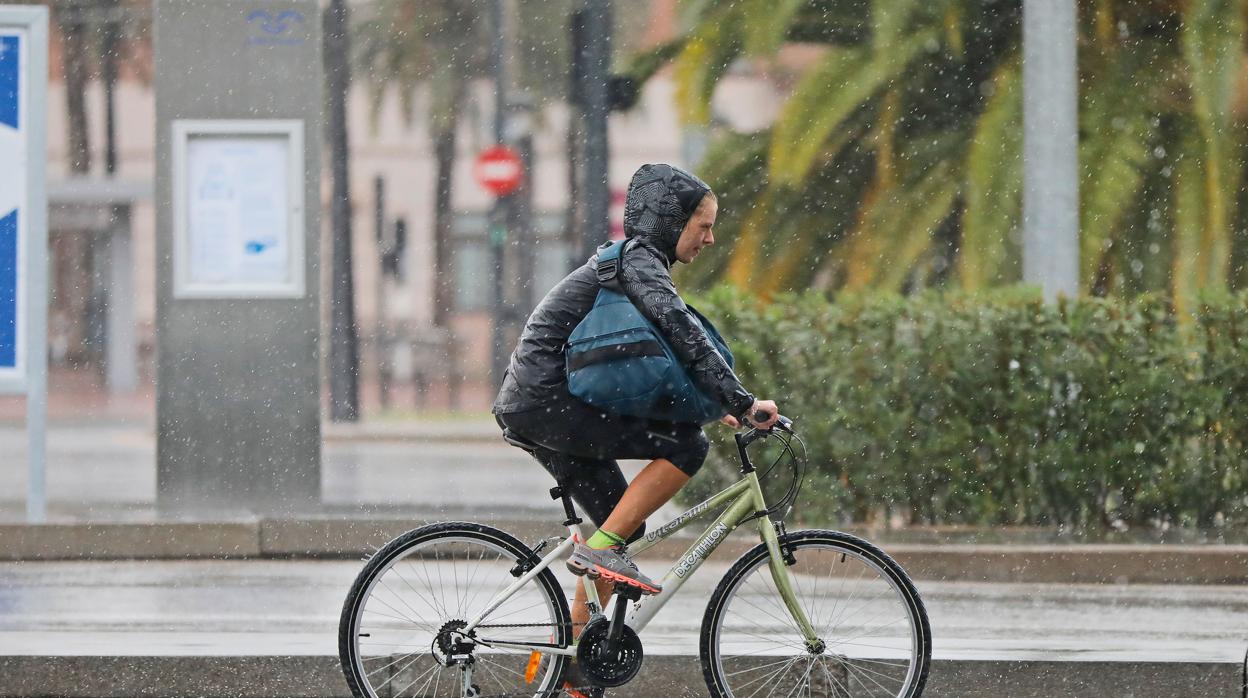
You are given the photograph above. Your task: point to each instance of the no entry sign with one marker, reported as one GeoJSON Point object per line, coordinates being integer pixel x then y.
{"type": "Point", "coordinates": [499, 170]}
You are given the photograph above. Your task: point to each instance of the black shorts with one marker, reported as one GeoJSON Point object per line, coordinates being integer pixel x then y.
{"type": "Point", "coordinates": [580, 445]}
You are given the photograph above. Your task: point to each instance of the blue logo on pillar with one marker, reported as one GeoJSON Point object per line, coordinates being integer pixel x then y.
{"type": "Point", "coordinates": [277, 28]}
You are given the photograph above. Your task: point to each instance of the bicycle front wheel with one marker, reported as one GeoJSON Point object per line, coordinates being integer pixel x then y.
{"type": "Point", "coordinates": [403, 628]}
{"type": "Point", "coordinates": [872, 632]}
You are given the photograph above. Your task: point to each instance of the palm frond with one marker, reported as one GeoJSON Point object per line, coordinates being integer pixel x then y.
{"type": "Point", "coordinates": [993, 197]}
{"type": "Point", "coordinates": [843, 82]}
{"type": "Point", "coordinates": [895, 228]}
{"type": "Point", "coordinates": [766, 24]}
{"type": "Point", "coordinates": [1212, 38]}
{"type": "Point", "coordinates": [643, 65]}
{"type": "Point", "coordinates": [708, 51]}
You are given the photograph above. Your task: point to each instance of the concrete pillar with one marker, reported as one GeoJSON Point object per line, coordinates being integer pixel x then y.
{"type": "Point", "coordinates": [238, 377]}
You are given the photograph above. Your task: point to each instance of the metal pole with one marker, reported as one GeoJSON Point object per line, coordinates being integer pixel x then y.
{"type": "Point", "coordinates": [384, 248]}
{"type": "Point", "coordinates": [344, 360]}
{"type": "Point", "coordinates": [37, 263]}
{"type": "Point", "coordinates": [596, 59]}
{"type": "Point", "coordinates": [1050, 148]}
{"type": "Point", "coordinates": [499, 213]}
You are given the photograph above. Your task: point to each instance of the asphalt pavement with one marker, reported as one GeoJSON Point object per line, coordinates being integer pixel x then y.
{"type": "Point", "coordinates": [266, 627]}
{"type": "Point", "coordinates": [1115, 640]}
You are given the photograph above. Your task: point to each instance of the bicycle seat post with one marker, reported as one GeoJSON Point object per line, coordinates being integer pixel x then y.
{"type": "Point", "coordinates": [560, 492]}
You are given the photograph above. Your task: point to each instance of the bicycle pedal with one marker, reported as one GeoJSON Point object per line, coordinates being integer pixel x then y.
{"type": "Point", "coordinates": [583, 691]}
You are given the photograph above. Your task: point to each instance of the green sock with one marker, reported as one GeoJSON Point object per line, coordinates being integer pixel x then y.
{"type": "Point", "coordinates": [604, 539]}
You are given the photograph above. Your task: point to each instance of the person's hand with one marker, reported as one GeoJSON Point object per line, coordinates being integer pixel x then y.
{"type": "Point", "coordinates": [767, 408]}
{"type": "Point", "coordinates": [730, 421]}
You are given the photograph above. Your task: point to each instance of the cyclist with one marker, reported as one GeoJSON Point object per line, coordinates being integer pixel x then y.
{"type": "Point", "coordinates": [671, 214]}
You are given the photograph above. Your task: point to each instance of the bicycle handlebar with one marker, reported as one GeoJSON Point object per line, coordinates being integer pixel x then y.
{"type": "Point", "coordinates": [783, 423]}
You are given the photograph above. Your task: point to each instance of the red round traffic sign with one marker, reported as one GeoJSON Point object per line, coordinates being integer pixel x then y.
{"type": "Point", "coordinates": [499, 170]}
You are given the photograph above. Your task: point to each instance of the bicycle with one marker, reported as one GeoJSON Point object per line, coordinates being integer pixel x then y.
{"type": "Point", "coordinates": [415, 623]}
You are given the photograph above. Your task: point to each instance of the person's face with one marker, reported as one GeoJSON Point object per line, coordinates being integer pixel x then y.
{"type": "Point", "coordinates": [698, 230]}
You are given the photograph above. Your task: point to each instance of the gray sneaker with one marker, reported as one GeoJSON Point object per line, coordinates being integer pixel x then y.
{"type": "Point", "coordinates": [612, 564]}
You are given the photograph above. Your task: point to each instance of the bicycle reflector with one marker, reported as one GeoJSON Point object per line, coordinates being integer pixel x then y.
{"type": "Point", "coordinates": [530, 672]}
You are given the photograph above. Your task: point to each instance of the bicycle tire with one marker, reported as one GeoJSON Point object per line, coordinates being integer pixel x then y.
{"type": "Point", "coordinates": [840, 677]}
{"type": "Point", "coordinates": [416, 545]}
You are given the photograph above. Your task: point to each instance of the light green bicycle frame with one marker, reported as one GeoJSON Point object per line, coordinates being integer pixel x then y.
{"type": "Point", "coordinates": [744, 498]}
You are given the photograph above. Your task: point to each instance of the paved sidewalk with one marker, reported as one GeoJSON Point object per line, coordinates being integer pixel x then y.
{"type": "Point", "coordinates": [109, 472]}
{"type": "Point", "coordinates": [115, 623]}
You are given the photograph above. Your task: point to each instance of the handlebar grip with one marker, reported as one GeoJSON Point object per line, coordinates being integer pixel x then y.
{"type": "Point", "coordinates": [783, 422]}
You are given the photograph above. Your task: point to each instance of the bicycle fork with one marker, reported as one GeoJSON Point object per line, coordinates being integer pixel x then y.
{"type": "Point", "coordinates": [779, 560]}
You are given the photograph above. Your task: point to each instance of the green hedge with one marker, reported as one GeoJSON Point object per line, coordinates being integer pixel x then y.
{"type": "Point", "coordinates": [999, 409]}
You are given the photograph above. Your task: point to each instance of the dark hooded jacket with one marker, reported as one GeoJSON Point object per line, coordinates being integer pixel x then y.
{"type": "Point", "coordinates": [661, 199]}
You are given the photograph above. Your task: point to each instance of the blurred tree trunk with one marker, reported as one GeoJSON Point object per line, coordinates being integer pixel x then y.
{"type": "Point", "coordinates": [110, 44]}
{"type": "Point", "coordinates": [443, 259]}
{"type": "Point", "coordinates": [443, 220]}
{"type": "Point", "coordinates": [77, 73]}
{"type": "Point", "coordinates": [572, 231]}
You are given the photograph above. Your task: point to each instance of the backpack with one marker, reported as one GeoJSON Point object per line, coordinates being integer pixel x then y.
{"type": "Point", "coordinates": [618, 361]}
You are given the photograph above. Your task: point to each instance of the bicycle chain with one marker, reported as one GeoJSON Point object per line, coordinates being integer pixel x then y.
{"type": "Point", "coordinates": [525, 625]}
{"type": "Point", "coordinates": [587, 690]}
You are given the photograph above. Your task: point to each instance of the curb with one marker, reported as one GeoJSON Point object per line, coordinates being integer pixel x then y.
{"type": "Point", "coordinates": [266, 538]}
{"type": "Point", "coordinates": [320, 676]}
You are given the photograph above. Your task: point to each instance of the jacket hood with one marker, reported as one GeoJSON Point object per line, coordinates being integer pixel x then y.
{"type": "Point", "coordinates": [661, 199]}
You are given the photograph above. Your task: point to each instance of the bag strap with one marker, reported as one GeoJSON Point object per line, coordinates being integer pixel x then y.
{"type": "Point", "coordinates": [613, 352]}
{"type": "Point", "coordinates": [610, 256]}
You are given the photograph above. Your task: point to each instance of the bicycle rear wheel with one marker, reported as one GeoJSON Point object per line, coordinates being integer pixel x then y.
{"type": "Point", "coordinates": [873, 632]}
{"type": "Point", "coordinates": [400, 633]}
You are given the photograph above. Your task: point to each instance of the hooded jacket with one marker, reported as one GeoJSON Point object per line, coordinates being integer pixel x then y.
{"type": "Point", "coordinates": [661, 199]}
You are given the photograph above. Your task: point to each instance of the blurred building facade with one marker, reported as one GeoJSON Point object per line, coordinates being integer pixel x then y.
{"type": "Point", "coordinates": [102, 221]}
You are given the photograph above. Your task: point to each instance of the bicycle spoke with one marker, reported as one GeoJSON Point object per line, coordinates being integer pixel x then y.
{"type": "Point", "coordinates": [756, 668]}
{"type": "Point", "coordinates": [851, 604]}
{"type": "Point", "coordinates": [766, 680]}
{"type": "Point", "coordinates": [824, 666]}
{"type": "Point", "coordinates": [414, 594]}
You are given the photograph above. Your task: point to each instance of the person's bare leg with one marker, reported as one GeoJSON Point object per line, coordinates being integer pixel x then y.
{"type": "Point", "coordinates": [653, 487]}
{"type": "Point", "coordinates": [580, 612]}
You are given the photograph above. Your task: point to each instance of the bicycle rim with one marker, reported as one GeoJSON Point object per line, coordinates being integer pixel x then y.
{"type": "Point", "coordinates": [871, 625]}
{"type": "Point", "coordinates": [411, 595]}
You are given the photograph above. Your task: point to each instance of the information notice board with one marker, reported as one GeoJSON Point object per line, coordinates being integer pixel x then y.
{"type": "Point", "coordinates": [238, 209]}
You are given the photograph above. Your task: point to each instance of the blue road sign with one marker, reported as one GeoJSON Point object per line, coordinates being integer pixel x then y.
{"type": "Point", "coordinates": [12, 195]}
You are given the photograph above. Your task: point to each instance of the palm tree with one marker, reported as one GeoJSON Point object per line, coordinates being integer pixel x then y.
{"type": "Point", "coordinates": [895, 161]}
{"type": "Point", "coordinates": [436, 43]}
{"type": "Point", "coordinates": [443, 46]}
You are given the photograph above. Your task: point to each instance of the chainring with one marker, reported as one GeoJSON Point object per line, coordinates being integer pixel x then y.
{"type": "Point", "coordinates": [603, 668]}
